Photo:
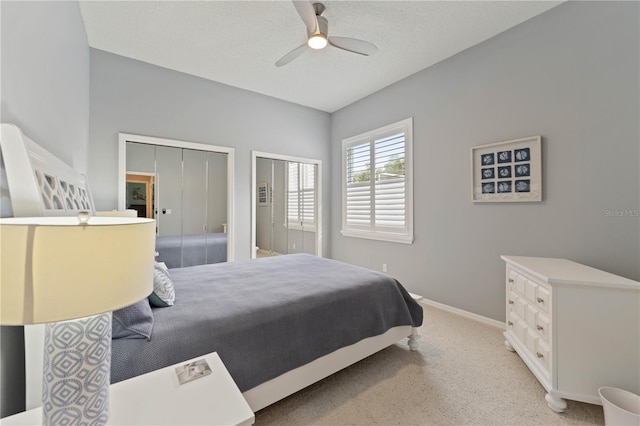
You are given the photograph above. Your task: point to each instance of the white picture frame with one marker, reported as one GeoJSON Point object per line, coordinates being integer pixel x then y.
{"type": "Point", "coordinates": [262, 194]}
{"type": "Point", "coordinates": [508, 171]}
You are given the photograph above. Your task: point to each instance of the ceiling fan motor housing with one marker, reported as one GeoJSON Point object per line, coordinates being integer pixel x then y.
{"type": "Point", "coordinates": [319, 8]}
{"type": "Point", "coordinates": [323, 26]}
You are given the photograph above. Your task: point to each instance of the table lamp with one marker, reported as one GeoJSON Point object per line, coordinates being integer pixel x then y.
{"type": "Point", "coordinates": [70, 273]}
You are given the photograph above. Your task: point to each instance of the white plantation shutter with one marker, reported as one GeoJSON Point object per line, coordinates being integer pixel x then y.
{"type": "Point", "coordinates": [293, 217]}
{"type": "Point", "coordinates": [389, 189]}
{"type": "Point", "coordinates": [301, 195]}
{"type": "Point", "coordinates": [377, 184]}
{"type": "Point", "coordinates": [308, 193]}
{"type": "Point", "coordinates": [358, 205]}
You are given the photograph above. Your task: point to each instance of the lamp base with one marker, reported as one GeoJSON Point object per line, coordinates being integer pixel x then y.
{"type": "Point", "coordinates": [77, 371]}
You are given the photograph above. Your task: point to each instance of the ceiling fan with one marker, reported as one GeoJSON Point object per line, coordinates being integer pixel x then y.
{"type": "Point", "coordinates": [317, 34]}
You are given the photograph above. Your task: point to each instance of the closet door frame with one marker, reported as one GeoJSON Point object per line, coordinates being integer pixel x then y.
{"type": "Point", "coordinates": [123, 138]}
{"type": "Point", "coordinates": [270, 156]}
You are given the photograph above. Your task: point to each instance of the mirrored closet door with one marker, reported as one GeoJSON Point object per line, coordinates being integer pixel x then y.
{"type": "Point", "coordinates": [286, 207]}
{"type": "Point", "coordinates": [185, 187]}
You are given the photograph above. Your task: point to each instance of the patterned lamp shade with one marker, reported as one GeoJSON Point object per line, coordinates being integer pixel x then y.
{"type": "Point", "coordinates": [55, 269]}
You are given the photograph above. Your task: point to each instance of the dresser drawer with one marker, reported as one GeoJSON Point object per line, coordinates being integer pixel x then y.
{"type": "Point", "coordinates": [542, 326]}
{"type": "Point", "coordinates": [520, 306]}
{"type": "Point", "coordinates": [531, 340]}
{"type": "Point", "coordinates": [531, 316]}
{"type": "Point", "coordinates": [511, 278]}
{"type": "Point", "coordinates": [536, 293]}
{"type": "Point", "coordinates": [543, 298]}
{"type": "Point", "coordinates": [512, 319]}
{"type": "Point", "coordinates": [512, 297]}
{"type": "Point", "coordinates": [543, 356]}
{"type": "Point", "coordinates": [520, 328]}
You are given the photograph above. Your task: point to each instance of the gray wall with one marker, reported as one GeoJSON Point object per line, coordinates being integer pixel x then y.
{"type": "Point", "coordinates": [135, 97]}
{"type": "Point", "coordinates": [45, 91]}
{"type": "Point", "coordinates": [570, 75]}
{"type": "Point", "coordinates": [45, 76]}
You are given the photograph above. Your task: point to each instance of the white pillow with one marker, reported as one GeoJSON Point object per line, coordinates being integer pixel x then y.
{"type": "Point", "coordinates": [163, 294]}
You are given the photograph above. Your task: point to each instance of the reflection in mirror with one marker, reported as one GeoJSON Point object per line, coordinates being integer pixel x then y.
{"type": "Point", "coordinates": [140, 194]}
{"type": "Point", "coordinates": [286, 208]}
{"type": "Point", "coordinates": [185, 190]}
{"type": "Point", "coordinates": [271, 232]}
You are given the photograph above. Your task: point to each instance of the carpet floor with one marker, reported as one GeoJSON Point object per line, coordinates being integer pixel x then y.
{"type": "Point", "coordinates": [462, 374]}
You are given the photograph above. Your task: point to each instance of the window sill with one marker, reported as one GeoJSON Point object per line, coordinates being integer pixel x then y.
{"type": "Point", "coordinates": [379, 236]}
{"type": "Point", "coordinates": [306, 228]}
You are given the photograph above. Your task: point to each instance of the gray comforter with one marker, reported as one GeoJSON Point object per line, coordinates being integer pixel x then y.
{"type": "Point", "coordinates": [265, 317]}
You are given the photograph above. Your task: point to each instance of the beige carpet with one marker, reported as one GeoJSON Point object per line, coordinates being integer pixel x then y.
{"type": "Point", "coordinates": [461, 375]}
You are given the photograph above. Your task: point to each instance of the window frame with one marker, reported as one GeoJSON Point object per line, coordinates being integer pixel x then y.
{"type": "Point", "coordinates": [372, 231]}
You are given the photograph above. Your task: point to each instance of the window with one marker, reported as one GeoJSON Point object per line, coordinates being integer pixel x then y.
{"type": "Point", "coordinates": [301, 196]}
{"type": "Point", "coordinates": [377, 200]}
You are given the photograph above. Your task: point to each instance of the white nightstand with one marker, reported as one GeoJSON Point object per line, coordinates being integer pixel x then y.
{"type": "Point", "coordinates": [157, 398]}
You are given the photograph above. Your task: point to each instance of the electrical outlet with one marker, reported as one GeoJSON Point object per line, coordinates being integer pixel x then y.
{"type": "Point", "coordinates": [384, 267]}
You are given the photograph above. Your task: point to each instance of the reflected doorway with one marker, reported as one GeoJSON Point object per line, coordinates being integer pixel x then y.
{"type": "Point", "coordinates": [140, 194]}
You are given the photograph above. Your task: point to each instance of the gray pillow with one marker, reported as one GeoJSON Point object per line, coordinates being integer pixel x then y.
{"type": "Point", "coordinates": [163, 294]}
{"type": "Point", "coordinates": [133, 322]}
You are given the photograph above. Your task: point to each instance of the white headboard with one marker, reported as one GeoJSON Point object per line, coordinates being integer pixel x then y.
{"type": "Point", "coordinates": [40, 184]}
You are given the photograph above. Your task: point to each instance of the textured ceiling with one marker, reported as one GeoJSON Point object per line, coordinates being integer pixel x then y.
{"type": "Point", "coordinates": [238, 42]}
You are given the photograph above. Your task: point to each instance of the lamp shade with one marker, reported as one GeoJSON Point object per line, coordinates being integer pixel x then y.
{"type": "Point", "coordinates": [57, 268]}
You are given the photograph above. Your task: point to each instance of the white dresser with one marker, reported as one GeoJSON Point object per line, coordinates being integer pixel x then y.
{"type": "Point", "coordinates": [577, 328]}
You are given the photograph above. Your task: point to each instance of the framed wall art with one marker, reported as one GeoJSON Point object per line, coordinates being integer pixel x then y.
{"type": "Point", "coordinates": [509, 171]}
{"type": "Point", "coordinates": [262, 194]}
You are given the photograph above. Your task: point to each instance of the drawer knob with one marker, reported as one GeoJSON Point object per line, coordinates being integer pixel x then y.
{"type": "Point", "coordinates": [540, 299]}
{"type": "Point", "coordinates": [510, 322]}
{"type": "Point", "coordinates": [510, 302]}
{"type": "Point", "coordinates": [510, 280]}
{"type": "Point", "coordinates": [539, 355]}
{"type": "Point", "coordinates": [539, 327]}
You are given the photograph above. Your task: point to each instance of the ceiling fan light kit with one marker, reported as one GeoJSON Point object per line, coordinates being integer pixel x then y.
{"type": "Point", "coordinates": [317, 34]}
{"type": "Point", "coordinates": [317, 41]}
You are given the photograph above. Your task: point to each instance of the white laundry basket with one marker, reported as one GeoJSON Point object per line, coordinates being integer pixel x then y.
{"type": "Point", "coordinates": [620, 407]}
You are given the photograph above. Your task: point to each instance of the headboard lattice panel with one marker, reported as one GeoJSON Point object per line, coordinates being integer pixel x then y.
{"type": "Point", "coordinates": [41, 184]}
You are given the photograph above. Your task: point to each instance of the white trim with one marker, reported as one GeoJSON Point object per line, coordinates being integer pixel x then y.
{"type": "Point", "coordinates": [463, 313]}
{"type": "Point", "coordinates": [133, 172]}
{"type": "Point", "coordinates": [123, 138]}
{"type": "Point", "coordinates": [318, 226]}
{"type": "Point", "coordinates": [379, 236]}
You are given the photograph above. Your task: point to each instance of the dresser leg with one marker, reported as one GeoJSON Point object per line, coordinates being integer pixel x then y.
{"type": "Point", "coordinates": [556, 404]}
{"type": "Point", "coordinates": [508, 345]}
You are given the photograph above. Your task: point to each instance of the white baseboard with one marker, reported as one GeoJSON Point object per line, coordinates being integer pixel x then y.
{"type": "Point", "coordinates": [460, 312]}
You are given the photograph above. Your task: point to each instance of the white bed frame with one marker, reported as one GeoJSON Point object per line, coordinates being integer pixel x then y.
{"type": "Point", "coordinates": [42, 185]}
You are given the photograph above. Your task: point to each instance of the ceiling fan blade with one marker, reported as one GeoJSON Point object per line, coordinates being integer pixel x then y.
{"type": "Point", "coordinates": [291, 55]}
{"type": "Point", "coordinates": [308, 15]}
{"type": "Point", "coordinates": [354, 45]}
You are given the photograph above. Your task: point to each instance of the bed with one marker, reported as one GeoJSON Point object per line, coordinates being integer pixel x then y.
{"type": "Point", "coordinates": [279, 324]}
{"type": "Point", "coordinates": [267, 316]}
{"type": "Point", "coordinates": [189, 250]}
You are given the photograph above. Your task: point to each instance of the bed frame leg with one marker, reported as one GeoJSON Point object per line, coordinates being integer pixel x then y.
{"type": "Point", "coordinates": [413, 339]}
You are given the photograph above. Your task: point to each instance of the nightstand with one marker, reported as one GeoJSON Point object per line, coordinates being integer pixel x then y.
{"type": "Point", "coordinates": [157, 398]}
